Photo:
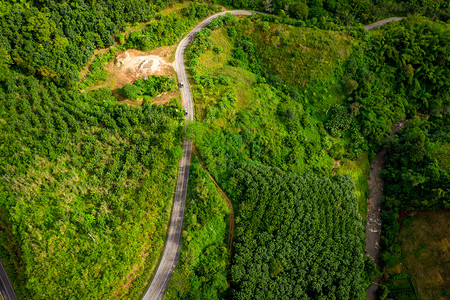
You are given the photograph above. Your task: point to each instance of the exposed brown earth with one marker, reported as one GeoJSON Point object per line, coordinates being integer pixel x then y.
{"type": "Point", "coordinates": [133, 64]}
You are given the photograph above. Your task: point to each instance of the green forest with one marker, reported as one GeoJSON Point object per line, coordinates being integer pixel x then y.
{"type": "Point", "coordinates": [291, 106]}
{"type": "Point", "coordinates": [298, 237]}
{"type": "Point", "coordinates": [202, 269]}
{"type": "Point", "coordinates": [270, 92]}
{"type": "Point", "coordinates": [84, 182]}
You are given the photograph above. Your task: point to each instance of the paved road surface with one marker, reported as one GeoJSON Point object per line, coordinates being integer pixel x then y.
{"type": "Point", "coordinates": [171, 253]}
{"type": "Point", "coordinates": [381, 23]}
{"type": "Point", "coordinates": [6, 290]}
{"type": "Point", "coordinates": [173, 243]}
{"type": "Point", "coordinates": [172, 248]}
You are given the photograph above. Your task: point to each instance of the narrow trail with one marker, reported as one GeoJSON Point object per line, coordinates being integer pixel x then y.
{"type": "Point", "coordinates": [225, 197]}
{"type": "Point", "coordinates": [373, 225]}
{"type": "Point", "coordinates": [171, 252]}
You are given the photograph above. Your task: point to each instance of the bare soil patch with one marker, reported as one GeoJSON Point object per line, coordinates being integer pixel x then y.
{"type": "Point", "coordinates": [132, 64]}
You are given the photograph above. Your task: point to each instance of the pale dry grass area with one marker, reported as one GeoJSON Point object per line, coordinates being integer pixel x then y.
{"type": "Point", "coordinates": [425, 244]}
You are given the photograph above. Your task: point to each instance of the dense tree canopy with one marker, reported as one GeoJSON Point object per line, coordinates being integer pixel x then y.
{"type": "Point", "coordinates": [345, 11]}
{"type": "Point", "coordinates": [417, 166]}
{"type": "Point", "coordinates": [84, 182]}
{"type": "Point", "coordinates": [296, 237]}
{"type": "Point", "coordinates": [53, 40]}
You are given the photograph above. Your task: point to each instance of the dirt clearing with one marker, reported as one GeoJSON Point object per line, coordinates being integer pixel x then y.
{"type": "Point", "coordinates": [132, 64]}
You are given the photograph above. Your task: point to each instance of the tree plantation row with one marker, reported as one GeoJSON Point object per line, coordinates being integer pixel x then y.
{"type": "Point", "coordinates": [259, 108]}
{"type": "Point", "coordinates": [285, 104]}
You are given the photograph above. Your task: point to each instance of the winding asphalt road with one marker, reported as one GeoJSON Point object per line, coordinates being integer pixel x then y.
{"type": "Point", "coordinates": [173, 243]}
{"type": "Point", "coordinates": [171, 253]}
{"type": "Point", "coordinates": [381, 23]}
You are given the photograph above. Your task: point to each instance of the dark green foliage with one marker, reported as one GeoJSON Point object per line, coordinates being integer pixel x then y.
{"type": "Point", "coordinates": [345, 11]}
{"type": "Point", "coordinates": [169, 28]}
{"type": "Point", "coordinates": [154, 85]}
{"type": "Point", "coordinates": [343, 123]}
{"type": "Point", "coordinates": [418, 49]}
{"type": "Point", "coordinates": [296, 237]}
{"type": "Point", "coordinates": [401, 71]}
{"type": "Point", "coordinates": [53, 41]}
{"type": "Point", "coordinates": [414, 178]}
{"type": "Point", "coordinates": [85, 182]}
{"type": "Point", "coordinates": [149, 86]}
{"type": "Point", "coordinates": [130, 91]}
{"type": "Point", "coordinates": [349, 86]}
{"type": "Point", "coordinates": [339, 121]}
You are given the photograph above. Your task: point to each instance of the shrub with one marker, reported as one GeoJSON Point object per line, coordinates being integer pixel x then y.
{"type": "Point", "coordinates": [130, 91]}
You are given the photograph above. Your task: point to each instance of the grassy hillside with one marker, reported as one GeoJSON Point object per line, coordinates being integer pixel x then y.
{"type": "Point", "coordinates": [314, 101]}
{"type": "Point", "coordinates": [247, 112]}
{"type": "Point", "coordinates": [249, 108]}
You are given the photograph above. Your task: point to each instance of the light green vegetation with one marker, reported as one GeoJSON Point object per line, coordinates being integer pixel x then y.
{"type": "Point", "coordinates": [247, 112]}
{"type": "Point", "coordinates": [359, 170]}
{"type": "Point", "coordinates": [202, 269]}
{"type": "Point", "coordinates": [96, 74]}
{"type": "Point", "coordinates": [86, 189]}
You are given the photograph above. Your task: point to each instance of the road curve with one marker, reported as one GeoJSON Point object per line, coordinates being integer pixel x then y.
{"type": "Point", "coordinates": [381, 23]}
{"type": "Point", "coordinates": [6, 290]}
{"type": "Point", "coordinates": [171, 253]}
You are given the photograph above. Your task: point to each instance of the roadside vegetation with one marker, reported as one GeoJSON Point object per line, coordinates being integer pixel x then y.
{"type": "Point", "coordinates": [328, 119]}
{"type": "Point", "coordinates": [86, 188]}
{"type": "Point", "coordinates": [286, 106]}
{"type": "Point", "coordinates": [148, 87]}
{"type": "Point", "coordinates": [86, 183]}
{"type": "Point", "coordinates": [248, 115]}
{"type": "Point", "coordinates": [167, 28]}
{"type": "Point", "coordinates": [201, 272]}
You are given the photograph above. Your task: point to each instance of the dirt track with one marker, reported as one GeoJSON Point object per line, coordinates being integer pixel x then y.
{"type": "Point", "coordinates": [373, 225]}
{"type": "Point", "coordinates": [225, 197]}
